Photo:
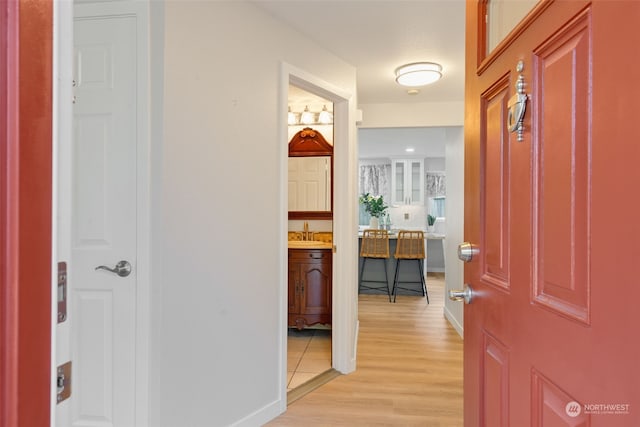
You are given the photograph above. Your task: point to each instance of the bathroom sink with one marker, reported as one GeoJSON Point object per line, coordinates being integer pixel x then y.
{"type": "Point", "coordinates": [308, 244]}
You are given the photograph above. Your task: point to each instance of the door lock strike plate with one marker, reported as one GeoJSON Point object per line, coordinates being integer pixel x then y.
{"type": "Point", "coordinates": [63, 382]}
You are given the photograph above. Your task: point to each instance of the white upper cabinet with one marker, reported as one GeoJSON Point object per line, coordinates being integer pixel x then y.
{"type": "Point", "coordinates": [407, 181]}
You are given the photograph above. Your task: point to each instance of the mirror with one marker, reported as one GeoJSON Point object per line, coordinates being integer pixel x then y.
{"type": "Point", "coordinates": [309, 183]}
{"type": "Point", "coordinates": [310, 176]}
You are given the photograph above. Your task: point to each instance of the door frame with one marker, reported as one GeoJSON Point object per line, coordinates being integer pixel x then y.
{"type": "Point", "coordinates": [63, 181]}
{"type": "Point", "coordinates": [345, 298]}
{"type": "Point", "coordinates": [25, 212]}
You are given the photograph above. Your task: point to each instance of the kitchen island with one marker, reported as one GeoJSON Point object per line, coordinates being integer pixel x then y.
{"type": "Point", "coordinates": [434, 262]}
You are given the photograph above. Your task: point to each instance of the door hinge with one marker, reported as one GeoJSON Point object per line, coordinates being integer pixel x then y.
{"type": "Point", "coordinates": [63, 382]}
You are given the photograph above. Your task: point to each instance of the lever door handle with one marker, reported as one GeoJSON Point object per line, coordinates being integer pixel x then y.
{"type": "Point", "coordinates": [122, 268]}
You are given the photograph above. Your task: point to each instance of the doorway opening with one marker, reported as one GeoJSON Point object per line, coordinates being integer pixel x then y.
{"type": "Point", "coordinates": [310, 220]}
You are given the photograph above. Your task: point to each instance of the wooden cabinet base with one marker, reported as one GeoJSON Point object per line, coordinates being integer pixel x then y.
{"type": "Point", "coordinates": [309, 287]}
{"type": "Point", "coordinates": [300, 322]}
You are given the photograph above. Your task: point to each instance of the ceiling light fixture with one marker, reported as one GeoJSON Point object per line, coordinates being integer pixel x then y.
{"type": "Point", "coordinates": [418, 73]}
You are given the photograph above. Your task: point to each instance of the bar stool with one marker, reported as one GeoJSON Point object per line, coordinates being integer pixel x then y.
{"type": "Point", "coordinates": [410, 247]}
{"type": "Point", "coordinates": [375, 245]}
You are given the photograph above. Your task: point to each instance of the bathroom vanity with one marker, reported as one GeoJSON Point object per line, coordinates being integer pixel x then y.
{"type": "Point", "coordinates": [309, 284]}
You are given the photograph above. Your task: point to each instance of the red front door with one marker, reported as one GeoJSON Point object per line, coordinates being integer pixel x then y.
{"type": "Point", "coordinates": [25, 211]}
{"type": "Point", "coordinates": [550, 336]}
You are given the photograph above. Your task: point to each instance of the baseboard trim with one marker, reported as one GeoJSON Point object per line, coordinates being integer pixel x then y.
{"type": "Point", "coordinates": [307, 387]}
{"type": "Point", "coordinates": [355, 344]}
{"type": "Point", "coordinates": [454, 322]}
{"type": "Point", "coordinates": [261, 416]}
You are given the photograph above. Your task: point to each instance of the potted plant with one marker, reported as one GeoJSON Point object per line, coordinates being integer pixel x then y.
{"type": "Point", "coordinates": [431, 220]}
{"type": "Point", "coordinates": [374, 206]}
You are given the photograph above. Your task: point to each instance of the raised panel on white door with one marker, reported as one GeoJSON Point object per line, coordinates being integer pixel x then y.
{"type": "Point", "coordinates": [90, 224]}
{"type": "Point", "coordinates": [293, 195]}
{"type": "Point", "coordinates": [293, 176]}
{"type": "Point", "coordinates": [309, 184]}
{"type": "Point", "coordinates": [311, 193]}
{"type": "Point", "coordinates": [315, 183]}
{"type": "Point", "coordinates": [103, 316]}
{"type": "Point", "coordinates": [94, 313]}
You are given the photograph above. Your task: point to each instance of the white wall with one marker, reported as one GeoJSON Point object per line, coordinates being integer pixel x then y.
{"type": "Point", "coordinates": [376, 143]}
{"type": "Point", "coordinates": [425, 114]}
{"type": "Point", "coordinates": [454, 269]}
{"type": "Point", "coordinates": [218, 267]}
{"type": "Point", "coordinates": [434, 164]}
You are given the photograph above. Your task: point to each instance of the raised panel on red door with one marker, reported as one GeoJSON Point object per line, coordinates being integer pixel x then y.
{"type": "Point", "coordinates": [545, 340]}
{"type": "Point", "coordinates": [492, 340]}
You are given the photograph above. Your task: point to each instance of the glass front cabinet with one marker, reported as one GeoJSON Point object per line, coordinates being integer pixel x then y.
{"type": "Point", "coordinates": [407, 181]}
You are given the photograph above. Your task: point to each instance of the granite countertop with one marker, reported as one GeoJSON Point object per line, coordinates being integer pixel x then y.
{"type": "Point", "coordinates": [309, 244]}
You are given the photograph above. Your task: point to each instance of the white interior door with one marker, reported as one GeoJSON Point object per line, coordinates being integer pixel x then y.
{"type": "Point", "coordinates": [103, 222]}
{"type": "Point", "coordinates": [308, 184]}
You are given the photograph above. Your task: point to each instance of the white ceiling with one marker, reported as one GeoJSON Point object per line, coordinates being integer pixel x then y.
{"type": "Point", "coordinates": [376, 37]}
{"type": "Point", "coordinates": [377, 143]}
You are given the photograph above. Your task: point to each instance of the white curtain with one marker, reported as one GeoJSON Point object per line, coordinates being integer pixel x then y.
{"type": "Point", "coordinates": [435, 184]}
{"type": "Point", "coordinates": [375, 180]}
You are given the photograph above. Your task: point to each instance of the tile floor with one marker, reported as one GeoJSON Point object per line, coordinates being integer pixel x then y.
{"type": "Point", "coordinates": [308, 355]}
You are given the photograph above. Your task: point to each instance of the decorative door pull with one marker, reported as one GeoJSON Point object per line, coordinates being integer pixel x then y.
{"type": "Point", "coordinates": [518, 106]}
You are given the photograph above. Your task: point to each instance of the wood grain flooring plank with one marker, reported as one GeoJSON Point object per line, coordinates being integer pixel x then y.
{"type": "Point", "coordinates": [409, 370]}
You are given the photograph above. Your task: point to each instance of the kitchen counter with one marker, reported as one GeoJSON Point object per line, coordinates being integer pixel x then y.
{"type": "Point", "coordinates": [393, 234]}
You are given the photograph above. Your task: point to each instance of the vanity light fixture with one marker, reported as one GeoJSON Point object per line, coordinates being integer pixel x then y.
{"type": "Point", "coordinates": [409, 149]}
{"type": "Point", "coordinates": [308, 117]}
{"type": "Point", "coordinates": [325, 117]}
{"type": "Point", "coordinates": [291, 117]}
{"type": "Point", "coordinates": [418, 73]}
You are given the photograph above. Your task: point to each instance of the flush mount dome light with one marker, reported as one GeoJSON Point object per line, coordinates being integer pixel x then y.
{"type": "Point", "coordinates": [418, 73]}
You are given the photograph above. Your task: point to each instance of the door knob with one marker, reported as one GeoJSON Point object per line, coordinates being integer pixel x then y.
{"type": "Point", "coordinates": [466, 251]}
{"type": "Point", "coordinates": [122, 268]}
{"type": "Point", "coordinates": [465, 294]}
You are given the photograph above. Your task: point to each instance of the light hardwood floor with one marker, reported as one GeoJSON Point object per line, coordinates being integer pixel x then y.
{"type": "Point", "coordinates": [409, 370]}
